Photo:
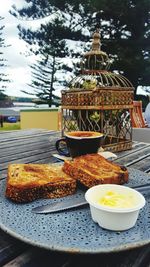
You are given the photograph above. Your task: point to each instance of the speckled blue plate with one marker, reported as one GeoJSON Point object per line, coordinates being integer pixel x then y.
{"type": "Point", "coordinates": [73, 230]}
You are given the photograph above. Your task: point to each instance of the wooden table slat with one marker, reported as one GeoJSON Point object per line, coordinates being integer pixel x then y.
{"type": "Point", "coordinates": [21, 137]}
{"type": "Point", "coordinates": [23, 153]}
{"type": "Point", "coordinates": [136, 156]}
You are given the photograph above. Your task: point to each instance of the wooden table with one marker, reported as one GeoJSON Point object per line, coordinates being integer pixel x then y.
{"type": "Point", "coordinates": [37, 146]}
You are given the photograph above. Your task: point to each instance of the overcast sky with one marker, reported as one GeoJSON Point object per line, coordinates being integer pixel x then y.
{"type": "Point", "coordinates": [18, 64]}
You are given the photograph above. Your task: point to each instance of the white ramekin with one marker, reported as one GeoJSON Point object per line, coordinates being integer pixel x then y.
{"type": "Point", "coordinates": [111, 218]}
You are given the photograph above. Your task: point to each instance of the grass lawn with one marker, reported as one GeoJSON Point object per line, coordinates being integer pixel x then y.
{"type": "Point", "coordinates": [10, 126]}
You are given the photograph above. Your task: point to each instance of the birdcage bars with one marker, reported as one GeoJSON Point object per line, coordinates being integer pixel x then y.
{"type": "Point", "coordinates": [99, 100]}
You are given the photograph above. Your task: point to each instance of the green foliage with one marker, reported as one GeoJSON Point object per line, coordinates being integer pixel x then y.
{"type": "Point", "coordinates": [95, 116]}
{"type": "Point", "coordinates": [2, 96]}
{"type": "Point", "coordinates": [124, 26]}
{"type": "Point", "coordinates": [89, 84]}
{"type": "Point", "coordinates": [22, 99]}
{"type": "Point", "coordinates": [5, 101]}
{"type": "Point", "coordinates": [10, 126]}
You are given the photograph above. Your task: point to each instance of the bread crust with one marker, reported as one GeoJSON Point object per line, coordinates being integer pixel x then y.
{"type": "Point", "coordinates": [27, 182]}
{"type": "Point", "coordinates": [93, 169]}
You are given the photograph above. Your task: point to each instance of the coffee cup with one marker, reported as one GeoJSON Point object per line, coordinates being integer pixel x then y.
{"type": "Point", "coordinates": [79, 143]}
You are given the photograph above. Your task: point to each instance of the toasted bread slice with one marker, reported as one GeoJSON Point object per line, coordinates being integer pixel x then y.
{"type": "Point", "coordinates": [27, 182]}
{"type": "Point", "coordinates": [93, 169]}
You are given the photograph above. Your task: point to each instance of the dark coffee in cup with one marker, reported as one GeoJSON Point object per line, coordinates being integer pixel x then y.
{"type": "Point", "coordinates": [79, 143]}
{"type": "Point", "coordinates": [83, 134]}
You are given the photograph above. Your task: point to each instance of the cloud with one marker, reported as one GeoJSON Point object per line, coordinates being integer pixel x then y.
{"type": "Point", "coordinates": [18, 64]}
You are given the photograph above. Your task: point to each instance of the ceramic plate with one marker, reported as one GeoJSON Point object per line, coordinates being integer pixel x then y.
{"type": "Point", "coordinates": [73, 230]}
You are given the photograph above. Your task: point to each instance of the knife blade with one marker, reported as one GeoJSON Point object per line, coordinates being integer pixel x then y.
{"type": "Point", "coordinates": [60, 157]}
{"type": "Point", "coordinates": [60, 206]}
{"type": "Point", "coordinates": [67, 204]}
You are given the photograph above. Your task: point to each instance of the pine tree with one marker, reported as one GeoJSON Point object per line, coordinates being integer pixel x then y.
{"type": "Point", "coordinates": [50, 44]}
{"type": "Point", "coordinates": [3, 77]}
{"type": "Point", "coordinates": [45, 81]}
{"type": "Point", "coordinates": [47, 73]}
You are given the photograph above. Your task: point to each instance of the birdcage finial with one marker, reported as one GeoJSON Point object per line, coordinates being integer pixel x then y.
{"type": "Point", "coordinates": [95, 59]}
{"type": "Point", "coordinates": [96, 44]}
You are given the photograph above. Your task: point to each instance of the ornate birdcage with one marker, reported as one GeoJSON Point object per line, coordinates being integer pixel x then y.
{"type": "Point", "coordinates": [99, 100]}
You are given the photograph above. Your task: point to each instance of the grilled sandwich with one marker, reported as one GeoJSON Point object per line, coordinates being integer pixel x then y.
{"type": "Point", "coordinates": [27, 182]}
{"type": "Point", "coordinates": [93, 169]}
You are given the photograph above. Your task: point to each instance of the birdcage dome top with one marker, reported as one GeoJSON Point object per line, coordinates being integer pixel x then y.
{"type": "Point", "coordinates": [98, 79]}
{"type": "Point", "coordinates": [95, 70]}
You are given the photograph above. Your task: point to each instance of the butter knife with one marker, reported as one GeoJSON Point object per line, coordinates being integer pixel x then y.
{"type": "Point", "coordinates": [60, 206]}
{"type": "Point", "coordinates": [67, 204]}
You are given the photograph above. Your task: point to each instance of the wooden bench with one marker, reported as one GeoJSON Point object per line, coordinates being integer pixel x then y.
{"type": "Point", "coordinates": [137, 118]}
